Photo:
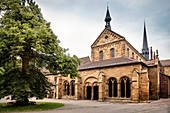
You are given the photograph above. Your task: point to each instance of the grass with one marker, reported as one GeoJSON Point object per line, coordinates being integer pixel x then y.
{"type": "Point", "coordinates": [39, 106]}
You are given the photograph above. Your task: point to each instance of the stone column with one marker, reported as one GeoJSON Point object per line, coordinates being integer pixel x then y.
{"type": "Point", "coordinates": [125, 87]}
{"type": "Point", "coordinates": [84, 92]}
{"type": "Point", "coordinates": [92, 92]}
{"type": "Point", "coordinates": [70, 90]}
{"type": "Point", "coordinates": [59, 88]}
{"type": "Point", "coordinates": [112, 88]}
{"type": "Point", "coordinates": [100, 92]}
{"type": "Point", "coordinates": [107, 90]}
{"type": "Point", "coordinates": [77, 85]}
{"type": "Point", "coordinates": [118, 90]}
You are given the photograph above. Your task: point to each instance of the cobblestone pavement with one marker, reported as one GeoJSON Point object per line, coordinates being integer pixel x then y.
{"type": "Point", "coordinates": [87, 106]}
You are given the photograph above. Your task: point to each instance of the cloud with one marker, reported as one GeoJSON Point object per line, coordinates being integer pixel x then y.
{"type": "Point", "coordinates": [78, 23]}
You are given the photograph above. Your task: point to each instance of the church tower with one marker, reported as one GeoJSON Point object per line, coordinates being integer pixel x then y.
{"type": "Point", "coordinates": [145, 49]}
{"type": "Point", "coordinates": [108, 19]}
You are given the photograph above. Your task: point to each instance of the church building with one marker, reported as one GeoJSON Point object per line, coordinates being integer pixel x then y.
{"type": "Point", "coordinates": [116, 72]}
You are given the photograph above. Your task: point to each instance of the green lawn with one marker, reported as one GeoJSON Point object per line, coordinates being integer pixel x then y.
{"type": "Point", "coordinates": [39, 106]}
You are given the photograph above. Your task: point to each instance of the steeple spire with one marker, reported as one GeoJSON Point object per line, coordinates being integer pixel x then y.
{"type": "Point", "coordinates": [108, 19]}
{"type": "Point", "coordinates": [145, 49]}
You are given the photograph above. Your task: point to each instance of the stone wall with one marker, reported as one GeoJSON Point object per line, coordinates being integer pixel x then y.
{"type": "Point", "coordinates": [167, 70]}
{"type": "Point", "coordinates": [153, 85]}
{"type": "Point", "coordinates": [92, 76]}
{"type": "Point", "coordinates": [165, 87]}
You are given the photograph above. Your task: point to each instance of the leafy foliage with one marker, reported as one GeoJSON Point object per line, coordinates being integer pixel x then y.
{"type": "Point", "coordinates": [27, 44]}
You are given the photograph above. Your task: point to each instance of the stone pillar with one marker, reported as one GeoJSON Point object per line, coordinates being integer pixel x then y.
{"type": "Point", "coordinates": [84, 92]}
{"type": "Point", "coordinates": [77, 84]}
{"type": "Point", "coordinates": [118, 90]}
{"type": "Point", "coordinates": [70, 89]}
{"type": "Point", "coordinates": [112, 88]}
{"type": "Point", "coordinates": [92, 92]}
{"type": "Point", "coordinates": [135, 86]}
{"type": "Point", "coordinates": [59, 87]}
{"type": "Point", "coordinates": [125, 87]}
{"type": "Point", "coordinates": [107, 90]}
{"type": "Point", "coordinates": [100, 92]}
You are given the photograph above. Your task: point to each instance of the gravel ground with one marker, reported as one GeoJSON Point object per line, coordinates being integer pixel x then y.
{"type": "Point", "coordinates": [87, 106]}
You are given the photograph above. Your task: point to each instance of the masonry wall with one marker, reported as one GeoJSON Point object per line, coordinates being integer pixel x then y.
{"type": "Point", "coordinates": [144, 85]}
{"type": "Point", "coordinates": [117, 46]}
{"type": "Point", "coordinates": [167, 70]}
{"type": "Point", "coordinates": [133, 53]}
{"type": "Point", "coordinates": [153, 85]}
{"type": "Point", "coordinates": [165, 88]}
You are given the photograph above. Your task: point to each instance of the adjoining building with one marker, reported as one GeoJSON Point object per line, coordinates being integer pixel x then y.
{"type": "Point", "coordinates": [116, 71]}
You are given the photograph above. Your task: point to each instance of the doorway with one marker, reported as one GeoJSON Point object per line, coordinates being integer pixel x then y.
{"type": "Point", "coordinates": [96, 93]}
{"type": "Point", "coordinates": [88, 92]}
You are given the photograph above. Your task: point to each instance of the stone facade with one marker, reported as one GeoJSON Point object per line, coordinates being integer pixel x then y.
{"type": "Point", "coordinates": [123, 75]}
{"type": "Point", "coordinates": [109, 40]}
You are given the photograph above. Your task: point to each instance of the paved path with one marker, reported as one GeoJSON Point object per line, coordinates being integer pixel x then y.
{"type": "Point", "coordinates": [87, 106]}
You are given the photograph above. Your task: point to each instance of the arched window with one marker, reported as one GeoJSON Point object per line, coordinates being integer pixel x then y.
{"type": "Point", "coordinates": [128, 52]}
{"type": "Point", "coordinates": [125, 87]}
{"type": "Point", "coordinates": [72, 85]}
{"type": "Point", "coordinates": [133, 55]}
{"type": "Point", "coordinates": [112, 87]}
{"type": "Point", "coordinates": [101, 55]}
{"type": "Point", "coordinates": [112, 53]}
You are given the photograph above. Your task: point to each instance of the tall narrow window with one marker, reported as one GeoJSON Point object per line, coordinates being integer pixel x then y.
{"type": "Point", "coordinates": [128, 52]}
{"type": "Point", "coordinates": [101, 55]}
{"type": "Point", "coordinates": [112, 53]}
{"type": "Point", "coordinates": [133, 55]}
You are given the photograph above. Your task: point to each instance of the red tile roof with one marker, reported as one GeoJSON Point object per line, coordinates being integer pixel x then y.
{"type": "Point", "coordinates": [107, 63]}
{"type": "Point", "coordinates": [150, 63]}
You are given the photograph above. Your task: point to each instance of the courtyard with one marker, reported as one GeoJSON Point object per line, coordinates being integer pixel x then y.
{"type": "Point", "coordinates": [87, 106]}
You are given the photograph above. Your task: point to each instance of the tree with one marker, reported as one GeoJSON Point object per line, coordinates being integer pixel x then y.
{"type": "Point", "coordinates": [27, 44]}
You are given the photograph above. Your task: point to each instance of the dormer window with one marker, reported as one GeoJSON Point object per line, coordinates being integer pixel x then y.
{"type": "Point", "coordinates": [101, 55]}
{"type": "Point", "coordinates": [106, 37]}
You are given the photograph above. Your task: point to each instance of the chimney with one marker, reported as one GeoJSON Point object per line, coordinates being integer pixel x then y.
{"type": "Point", "coordinates": [154, 55]}
{"type": "Point", "coordinates": [151, 53]}
{"type": "Point", "coordinates": [157, 54]}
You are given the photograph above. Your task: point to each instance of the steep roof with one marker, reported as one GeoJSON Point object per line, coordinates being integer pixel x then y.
{"type": "Point", "coordinates": [85, 60]}
{"type": "Point", "coordinates": [165, 62]}
{"type": "Point", "coordinates": [107, 63]}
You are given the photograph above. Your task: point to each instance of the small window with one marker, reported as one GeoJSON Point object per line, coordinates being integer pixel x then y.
{"type": "Point", "coordinates": [112, 53]}
{"type": "Point", "coordinates": [136, 57]}
{"type": "Point", "coordinates": [101, 55]}
{"type": "Point", "coordinates": [128, 52]}
{"type": "Point", "coordinates": [133, 55]}
{"type": "Point", "coordinates": [106, 37]}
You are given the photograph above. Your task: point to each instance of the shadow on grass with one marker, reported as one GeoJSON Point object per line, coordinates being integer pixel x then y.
{"type": "Point", "coordinates": [39, 106]}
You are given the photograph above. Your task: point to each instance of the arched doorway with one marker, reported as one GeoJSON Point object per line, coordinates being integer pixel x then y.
{"type": "Point", "coordinates": [128, 88]}
{"type": "Point", "coordinates": [122, 88]}
{"type": "Point", "coordinates": [66, 88]}
{"type": "Point", "coordinates": [72, 84]}
{"type": "Point", "coordinates": [88, 94]}
{"type": "Point", "coordinates": [112, 87]}
{"type": "Point", "coordinates": [95, 91]}
{"type": "Point", "coordinates": [125, 87]}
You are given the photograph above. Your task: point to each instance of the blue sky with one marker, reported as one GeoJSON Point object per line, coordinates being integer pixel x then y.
{"type": "Point", "coordinates": [77, 23]}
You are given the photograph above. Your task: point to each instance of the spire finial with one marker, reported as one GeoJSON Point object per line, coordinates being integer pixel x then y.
{"type": "Point", "coordinates": [108, 18]}
{"type": "Point", "coordinates": [145, 50]}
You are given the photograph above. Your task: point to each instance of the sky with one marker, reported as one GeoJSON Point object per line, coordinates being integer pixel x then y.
{"type": "Point", "coordinates": [78, 23]}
